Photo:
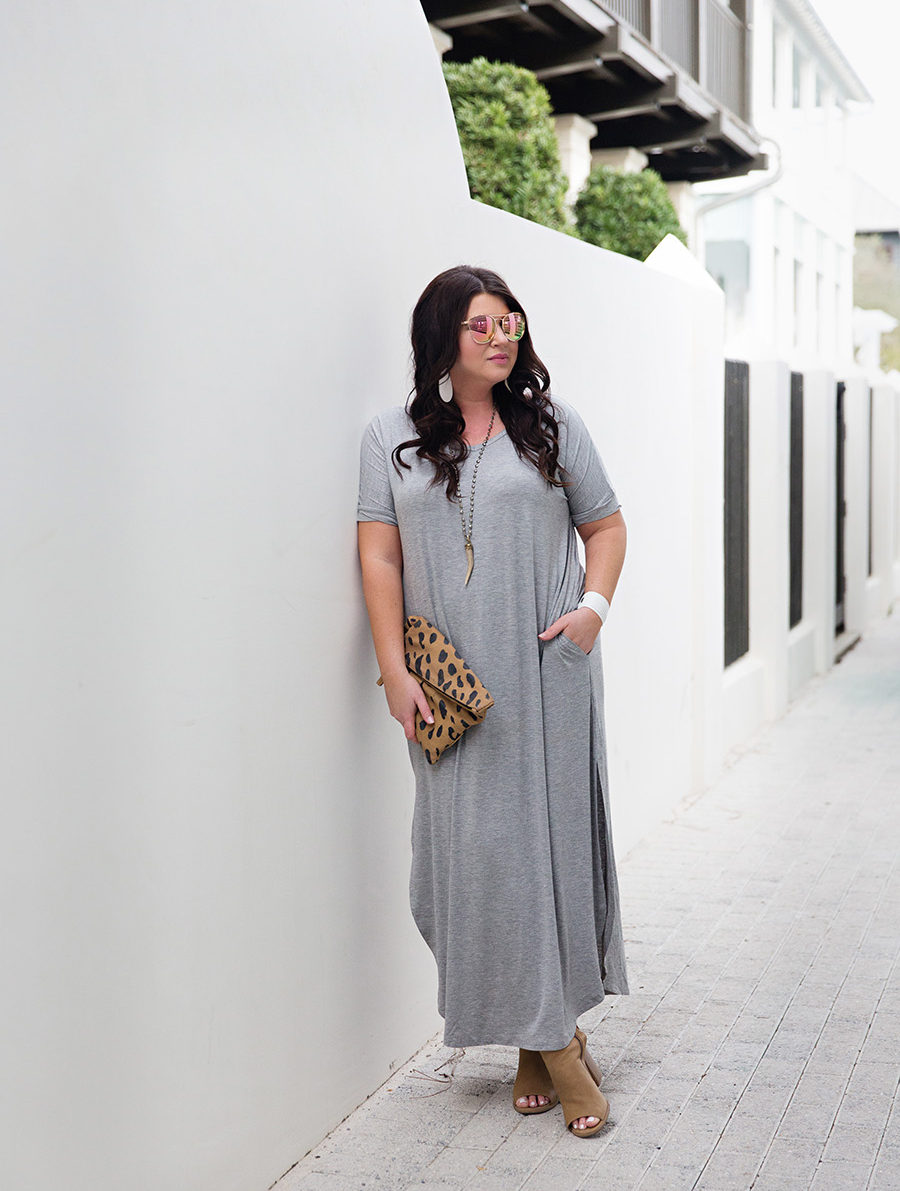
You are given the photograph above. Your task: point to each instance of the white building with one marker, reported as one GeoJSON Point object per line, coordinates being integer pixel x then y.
{"type": "Point", "coordinates": [781, 245]}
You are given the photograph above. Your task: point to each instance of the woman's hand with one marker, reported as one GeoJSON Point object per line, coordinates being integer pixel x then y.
{"type": "Point", "coordinates": [406, 700]}
{"type": "Point", "coordinates": [581, 626]}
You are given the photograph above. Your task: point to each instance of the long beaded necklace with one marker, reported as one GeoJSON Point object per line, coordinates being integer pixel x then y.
{"type": "Point", "coordinates": [467, 533]}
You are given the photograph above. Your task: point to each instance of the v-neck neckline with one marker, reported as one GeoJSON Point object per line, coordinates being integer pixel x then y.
{"type": "Point", "coordinates": [493, 438]}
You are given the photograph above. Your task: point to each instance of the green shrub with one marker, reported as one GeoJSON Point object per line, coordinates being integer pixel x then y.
{"type": "Point", "coordinates": [503, 117]}
{"type": "Point", "coordinates": [628, 213]}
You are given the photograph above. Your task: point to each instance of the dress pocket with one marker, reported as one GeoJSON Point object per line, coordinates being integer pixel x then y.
{"type": "Point", "coordinates": [568, 644]}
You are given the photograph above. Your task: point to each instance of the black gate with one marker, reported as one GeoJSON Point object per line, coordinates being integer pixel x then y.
{"type": "Point", "coordinates": [796, 501]}
{"type": "Point", "coordinates": [736, 516]}
{"type": "Point", "coordinates": [841, 512]}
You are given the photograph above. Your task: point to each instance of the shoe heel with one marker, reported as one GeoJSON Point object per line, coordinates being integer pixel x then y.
{"type": "Point", "coordinates": [592, 1067]}
{"type": "Point", "coordinates": [595, 1072]}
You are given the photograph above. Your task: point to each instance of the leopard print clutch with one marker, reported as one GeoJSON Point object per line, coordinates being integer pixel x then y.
{"type": "Point", "coordinates": [457, 698]}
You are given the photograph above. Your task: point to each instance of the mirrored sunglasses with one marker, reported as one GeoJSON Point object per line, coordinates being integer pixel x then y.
{"type": "Point", "coordinates": [483, 326]}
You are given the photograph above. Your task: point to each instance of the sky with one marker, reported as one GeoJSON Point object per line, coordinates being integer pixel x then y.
{"type": "Point", "coordinates": [868, 34]}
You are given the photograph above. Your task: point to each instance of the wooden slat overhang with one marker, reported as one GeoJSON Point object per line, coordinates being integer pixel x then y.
{"type": "Point", "coordinates": [594, 64]}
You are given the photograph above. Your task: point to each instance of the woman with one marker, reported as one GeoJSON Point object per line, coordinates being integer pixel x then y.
{"type": "Point", "coordinates": [468, 509]}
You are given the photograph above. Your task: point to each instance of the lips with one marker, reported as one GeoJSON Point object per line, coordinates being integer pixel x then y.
{"type": "Point", "coordinates": [500, 356]}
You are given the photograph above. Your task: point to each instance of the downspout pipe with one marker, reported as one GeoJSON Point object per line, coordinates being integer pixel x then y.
{"type": "Point", "coordinates": [722, 200]}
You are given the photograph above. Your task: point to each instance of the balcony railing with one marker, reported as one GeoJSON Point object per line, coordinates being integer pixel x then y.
{"type": "Point", "coordinates": [703, 37]}
{"type": "Point", "coordinates": [677, 39]}
{"type": "Point", "coordinates": [724, 62]}
{"type": "Point", "coordinates": [635, 12]}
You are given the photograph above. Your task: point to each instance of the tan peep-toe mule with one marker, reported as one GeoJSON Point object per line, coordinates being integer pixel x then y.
{"type": "Point", "coordinates": [576, 1078]}
{"type": "Point", "coordinates": [533, 1079]}
{"type": "Point", "coordinates": [596, 1073]}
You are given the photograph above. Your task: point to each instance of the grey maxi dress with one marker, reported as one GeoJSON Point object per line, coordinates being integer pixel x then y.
{"type": "Point", "coordinates": [513, 880]}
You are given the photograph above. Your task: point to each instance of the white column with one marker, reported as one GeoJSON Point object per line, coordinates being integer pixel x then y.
{"type": "Point", "coordinates": [819, 484]}
{"type": "Point", "coordinates": [574, 135]}
{"type": "Point", "coordinates": [784, 280]}
{"type": "Point", "coordinates": [826, 266]}
{"type": "Point", "coordinates": [844, 307]}
{"type": "Point", "coordinates": [761, 300]}
{"type": "Point", "coordinates": [770, 410]}
{"type": "Point", "coordinates": [681, 195]}
{"type": "Point", "coordinates": [629, 161]}
{"type": "Point", "coordinates": [805, 252]}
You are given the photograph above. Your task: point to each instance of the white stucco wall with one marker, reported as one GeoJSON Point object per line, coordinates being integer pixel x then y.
{"type": "Point", "coordinates": [208, 260]}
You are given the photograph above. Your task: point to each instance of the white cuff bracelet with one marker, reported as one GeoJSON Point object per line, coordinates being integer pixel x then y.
{"type": "Point", "coordinates": [597, 603]}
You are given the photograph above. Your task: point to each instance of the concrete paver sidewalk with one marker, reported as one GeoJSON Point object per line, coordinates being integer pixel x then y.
{"type": "Point", "coordinates": [760, 1047]}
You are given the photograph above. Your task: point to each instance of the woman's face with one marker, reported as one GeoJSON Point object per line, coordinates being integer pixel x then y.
{"type": "Point", "coordinates": [484, 363]}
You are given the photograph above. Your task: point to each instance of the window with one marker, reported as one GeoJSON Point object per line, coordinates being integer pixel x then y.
{"type": "Point", "coordinates": [820, 91]}
{"type": "Point", "coordinates": [797, 63]}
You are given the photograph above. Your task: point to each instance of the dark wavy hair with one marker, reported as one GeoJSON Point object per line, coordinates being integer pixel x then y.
{"type": "Point", "coordinates": [525, 406]}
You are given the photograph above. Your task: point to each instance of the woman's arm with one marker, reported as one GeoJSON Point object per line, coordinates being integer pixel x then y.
{"type": "Point", "coordinates": [604, 554]}
{"type": "Point", "coordinates": [381, 557]}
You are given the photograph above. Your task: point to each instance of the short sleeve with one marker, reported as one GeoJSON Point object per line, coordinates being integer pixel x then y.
{"type": "Point", "coordinates": [588, 489]}
{"type": "Point", "coordinates": [376, 500]}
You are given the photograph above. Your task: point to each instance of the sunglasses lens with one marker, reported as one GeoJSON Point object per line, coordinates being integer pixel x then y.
{"type": "Point", "coordinates": [482, 328]}
{"type": "Point", "coordinates": [513, 326]}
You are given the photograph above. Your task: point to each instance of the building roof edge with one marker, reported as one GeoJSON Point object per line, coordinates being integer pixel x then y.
{"type": "Point", "coordinates": [810, 21]}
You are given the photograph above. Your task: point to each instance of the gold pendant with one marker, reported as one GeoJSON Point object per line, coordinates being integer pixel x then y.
{"type": "Point", "coordinates": [470, 555]}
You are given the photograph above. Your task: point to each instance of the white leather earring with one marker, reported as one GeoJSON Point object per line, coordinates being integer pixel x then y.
{"type": "Point", "coordinates": [445, 388]}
